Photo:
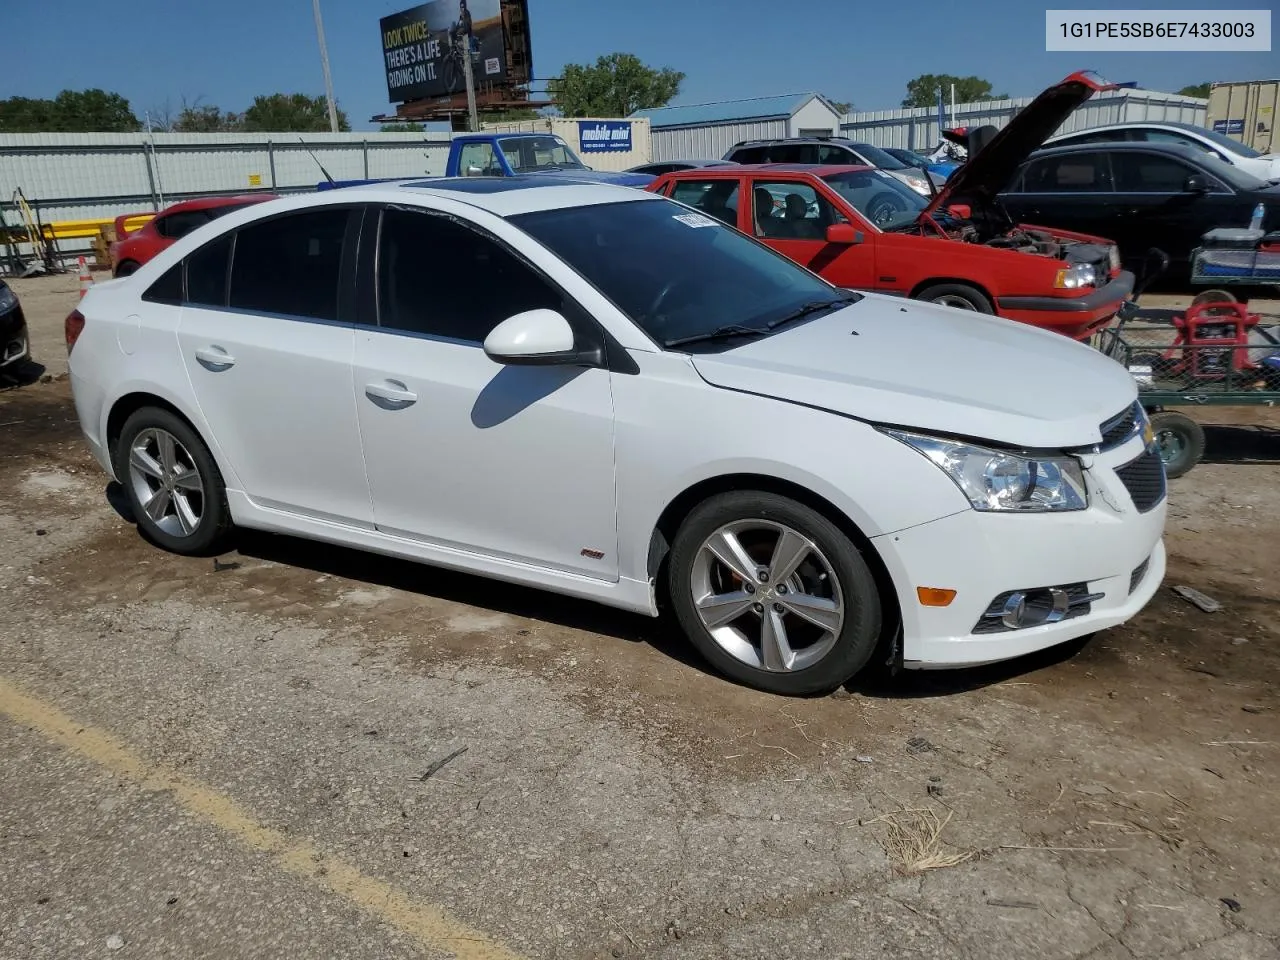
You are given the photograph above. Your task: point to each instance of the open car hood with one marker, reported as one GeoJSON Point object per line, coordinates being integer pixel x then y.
{"type": "Point", "coordinates": [990, 167]}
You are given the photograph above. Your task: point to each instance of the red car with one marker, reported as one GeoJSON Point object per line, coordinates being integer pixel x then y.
{"type": "Point", "coordinates": [132, 250]}
{"type": "Point", "coordinates": [860, 228]}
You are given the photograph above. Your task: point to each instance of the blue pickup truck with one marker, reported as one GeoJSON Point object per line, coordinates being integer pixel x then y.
{"type": "Point", "coordinates": [517, 154]}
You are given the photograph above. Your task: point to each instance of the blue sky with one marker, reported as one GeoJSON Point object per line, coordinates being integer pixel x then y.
{"type": "Point", "coordinates": [865, 51]}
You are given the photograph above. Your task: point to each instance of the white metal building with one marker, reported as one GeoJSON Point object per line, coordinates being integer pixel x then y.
{"type": "Point", "coordinates": [707, 131]}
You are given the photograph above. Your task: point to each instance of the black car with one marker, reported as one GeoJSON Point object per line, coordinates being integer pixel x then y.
{"type": "Point", "coordinates": [1141, 195]}
{"type": "Point", "coordinates": [13, 331]}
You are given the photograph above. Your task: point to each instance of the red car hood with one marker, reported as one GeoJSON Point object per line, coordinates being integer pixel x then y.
{"type": "Point", "coordinates": [989, 169]}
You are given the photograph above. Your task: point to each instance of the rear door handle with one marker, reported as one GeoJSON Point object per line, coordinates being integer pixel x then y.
{"type": "Point", "coordinates": [215, 358]}
{"type": "Point", "coordinates": [390, 394]}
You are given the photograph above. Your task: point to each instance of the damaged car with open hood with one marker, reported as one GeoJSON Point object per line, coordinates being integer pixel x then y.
{"type": "Point", "coordinates": [861, 229]}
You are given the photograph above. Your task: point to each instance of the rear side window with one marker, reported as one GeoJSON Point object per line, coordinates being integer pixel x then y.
{"type": "Point", "coordinates": [176, 225]}
{"type": "Point", "coordinates": [290, 265]}
{"type": "Point", "coordinates": [1069, 173]}
{"type": "Point", "coordinates": [749, 154]}
{"type": "Point", "coordinates": [168, 289]}
{"type": "Point", "coordinates": [207, 273]}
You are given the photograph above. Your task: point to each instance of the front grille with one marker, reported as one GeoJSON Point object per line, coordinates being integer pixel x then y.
{"type": "Point", "coordinates": [1078, 597]}
{"type": "Point", "coordinates": [1144, 479]}
{"type": "Point", "coordinates": [1139, 572]}
{"type": "Point", "coordinates": [1119, 428]}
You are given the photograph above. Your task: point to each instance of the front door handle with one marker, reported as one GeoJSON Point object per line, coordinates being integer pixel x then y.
{"type": "Point", "coordinates": [390, 394]}
{"type": "Point", "coordinates": [215, 358]}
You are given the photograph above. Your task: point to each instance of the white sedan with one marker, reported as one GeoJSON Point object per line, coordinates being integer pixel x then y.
{"type": "Point", "coordinates": [1263, 166]}
{"type": "Point", "coordinates": [603, 393]}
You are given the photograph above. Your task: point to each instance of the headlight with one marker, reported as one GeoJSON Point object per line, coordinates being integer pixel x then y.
{"type": "Point", "coordinates": [7, 299]}
{"type": "Point", "coordinates": [918, 185]}
{"type": "Point", "coordinates": [1076, 276]}
{"type": "Point", "coordinates": [999, 481]}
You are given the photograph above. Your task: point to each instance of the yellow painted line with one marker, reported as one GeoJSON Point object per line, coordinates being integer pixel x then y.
{"type": "Point", "coordinates": [430, 925]}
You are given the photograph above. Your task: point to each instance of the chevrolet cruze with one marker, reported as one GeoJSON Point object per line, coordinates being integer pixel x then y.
{"type": "Point", "coordinates": [607, 394]}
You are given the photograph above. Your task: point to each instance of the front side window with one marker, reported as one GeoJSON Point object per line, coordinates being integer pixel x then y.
{"type": "Point", "coordinates": [675, 273]}
{"type": "Point", "coordinates": [479, 156]}
{"type": "Point", "coordinates": [529, 154]}
{"type": "Point", "coordinates": [716, 197]}
{"type": "Point", "coordinates": [1150, 173]}
{"type": "Point", "coordinates": [879, 158]}
{"type": "Point", "coordinates": [1070, 173]}
{"type": "Point", "coordinates": [290, 265]}
{"type": "Point", "coordinates": [833, 153]}
{"type": "Point", "coordinates": [486, 283]}
{"type": "Point", "coordinates": [792, 211]}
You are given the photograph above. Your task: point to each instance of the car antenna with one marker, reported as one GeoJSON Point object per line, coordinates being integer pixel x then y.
{"type": "Point", "coordinates": [318, 163]}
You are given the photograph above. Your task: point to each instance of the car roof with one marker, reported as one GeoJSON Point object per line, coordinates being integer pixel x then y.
{"type": "Point", "coordinates": [1124, 146]}
{"type": "Point", "coordinates": [753, 143]}
{"type": "Point", "coordinates": [503, 196]}
{"type": "Point", "coordinates": [1138, 124]}
{"type": "Point", "coordinates": [817, 169]}
{"type": "Point", "coordinates": [204, 203]}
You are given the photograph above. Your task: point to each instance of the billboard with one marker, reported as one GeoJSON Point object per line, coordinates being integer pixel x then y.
{"type": "Point", "coordinates": [423, 47]}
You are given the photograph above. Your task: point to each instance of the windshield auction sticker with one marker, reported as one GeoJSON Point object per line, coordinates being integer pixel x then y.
{"type": "Point", "coordinates": [1113, 31]}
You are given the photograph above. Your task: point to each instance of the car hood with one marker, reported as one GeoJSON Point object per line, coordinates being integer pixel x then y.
{"type": "Point", "coordinates": [936, 369]}
{"type": "Point", "coordinates": [990, 168]}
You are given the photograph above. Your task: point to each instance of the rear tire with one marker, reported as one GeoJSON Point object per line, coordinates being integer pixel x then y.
{"type": "Point", "coordinates": [795, 609]}
{"type": "Point", "coordinates": [175, 489]}
{"type": "Point", "coordinates": [1180, 440]}
{"type": "Point", "coordinates": [958, 295]}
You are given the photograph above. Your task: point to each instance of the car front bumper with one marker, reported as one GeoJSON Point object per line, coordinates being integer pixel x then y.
{"type": "Point", "coordinates": [1111, 548]}
{"type": "Point", "coordinates": [1074, 316]}
{"type": "Point", "coordinates": [15, 343]}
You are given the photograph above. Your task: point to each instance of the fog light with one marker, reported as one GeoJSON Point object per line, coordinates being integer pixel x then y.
{"type": "Point", "coordinates": [1022, 609]}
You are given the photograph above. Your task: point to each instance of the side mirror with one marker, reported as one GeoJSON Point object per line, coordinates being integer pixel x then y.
{"type": "Point", "coordinates": [537, 338]}
{"type": "Point", "coordinates": [961, 211]}
{"type": "Point", "coordinates": [1195, 184]}
{"type": "Point", "coordinates": [843, 234]}
{"type": "Point", "coordinates": [474, 171]}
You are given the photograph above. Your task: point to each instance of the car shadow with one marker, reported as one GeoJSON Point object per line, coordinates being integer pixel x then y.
{"type": "Point", "coordinates": [24, 375]}
{"type": "Point", "coordinates": [1241, 444]}
{"type": "Point", "coordinates": [517, 388]}
{"type": "Point", "coordinates": [378, 570]}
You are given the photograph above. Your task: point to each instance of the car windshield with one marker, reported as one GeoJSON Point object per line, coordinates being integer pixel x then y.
{"type": "Point", "coordinates": [675, 272]}
{"type": "Point", "coordinates": [527, 154]}
{"type": "Point", "coordinates": [1231, 146]}
{"type": "Point", "coordinates": [884, 200]}
{"type": "Point", "coordinates": [879, 158]}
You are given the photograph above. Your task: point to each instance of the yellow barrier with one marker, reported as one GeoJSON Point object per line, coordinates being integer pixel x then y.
{"type": "Point", "coordinates": [81, 229]}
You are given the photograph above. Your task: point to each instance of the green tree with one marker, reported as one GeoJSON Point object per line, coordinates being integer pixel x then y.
{"type": "Point", "coordinates": [615, 86]}
{"type": "Point", "coordinates": [291, 113]}
{"type": "Point", "coordinates": [401, 128]}
{"type": "Point", "coordinates": [1196, 90]}
{"type": "Point", "coordinates": [923, 90]}
{"type": "Point", "coordinates": [198, 119]}
{"type": "Point", "coordinates": [842, 106]}
{"type": "Point", "coordinates": [71, 111]}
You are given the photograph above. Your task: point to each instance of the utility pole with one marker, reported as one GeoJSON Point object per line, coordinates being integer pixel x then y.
{"type": "Point", "coordinates": [470, 78]}
{"type": "Point", "coordinates": [324, 62]}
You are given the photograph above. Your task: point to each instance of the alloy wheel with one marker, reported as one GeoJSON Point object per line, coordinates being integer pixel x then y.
{"type": "Point", "coordinates": [767, 595]}
{"type": "Point", "coordinates": [953, 300]}
{"type": "Point", "coordinates": [166, 482]}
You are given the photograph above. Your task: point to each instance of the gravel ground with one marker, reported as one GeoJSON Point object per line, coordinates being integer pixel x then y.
{"type": "Point", "coordinates": [227, 759]}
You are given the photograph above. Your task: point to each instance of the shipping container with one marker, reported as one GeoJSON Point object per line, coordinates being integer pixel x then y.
{"type": "Point", "coordinates": [1246, 112]}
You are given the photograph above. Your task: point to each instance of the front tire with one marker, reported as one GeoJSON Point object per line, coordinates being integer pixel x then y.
{"type": "Point", "coordinates": [773, 594]}
{"type": "Point", "coordinates": [958, 295]}
{"type": "Point", "coordinates": [127, 268]}
{"type": "Point", "coordinates": [174, 487]}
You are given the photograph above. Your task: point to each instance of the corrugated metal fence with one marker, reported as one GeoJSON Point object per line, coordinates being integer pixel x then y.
{"type": "Point", "coordinates": [81, 176]}
{"type": "Point", "coordinates": [916, 128]}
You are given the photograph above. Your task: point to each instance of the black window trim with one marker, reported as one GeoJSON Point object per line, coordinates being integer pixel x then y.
{"type": "Point", "coordinates": [346, 267]}
{"type": "Point", "coordinates": [587, 330]}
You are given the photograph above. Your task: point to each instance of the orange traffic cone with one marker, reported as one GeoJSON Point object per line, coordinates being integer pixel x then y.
{"type": "Point", "coordinates": [86, 278]}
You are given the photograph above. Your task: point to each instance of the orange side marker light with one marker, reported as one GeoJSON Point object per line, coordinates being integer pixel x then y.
{"type": "Point", "coordinates": [935, 596]}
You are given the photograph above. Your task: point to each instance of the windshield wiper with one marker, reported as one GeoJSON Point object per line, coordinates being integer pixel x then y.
{"type": "Point", "coordinates": [719, 333]}
{"type": "Point", "coordinates": [812, 307]}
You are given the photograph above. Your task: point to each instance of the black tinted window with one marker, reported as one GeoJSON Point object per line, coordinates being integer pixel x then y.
{"type": "Point", "coordinates": [168, 289]}
{"type": "Point", "coordinates": [290, 265]}
{"type": "Point", "coordinates": [749, 154]}
{"type": "Point", "coordinates": [207, 273]}
{"type": "Point", "coordinates": [179, 224]}
{"type": "Point", "coordinates": [1150, 173]}
{"type": "Point", "coordinates": [1070, 173]}
{"type": "Point", "coordinates": [486, 282]}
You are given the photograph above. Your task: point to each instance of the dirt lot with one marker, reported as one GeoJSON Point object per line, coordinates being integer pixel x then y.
{"type": "Point", "coordinates": [234, 758]}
